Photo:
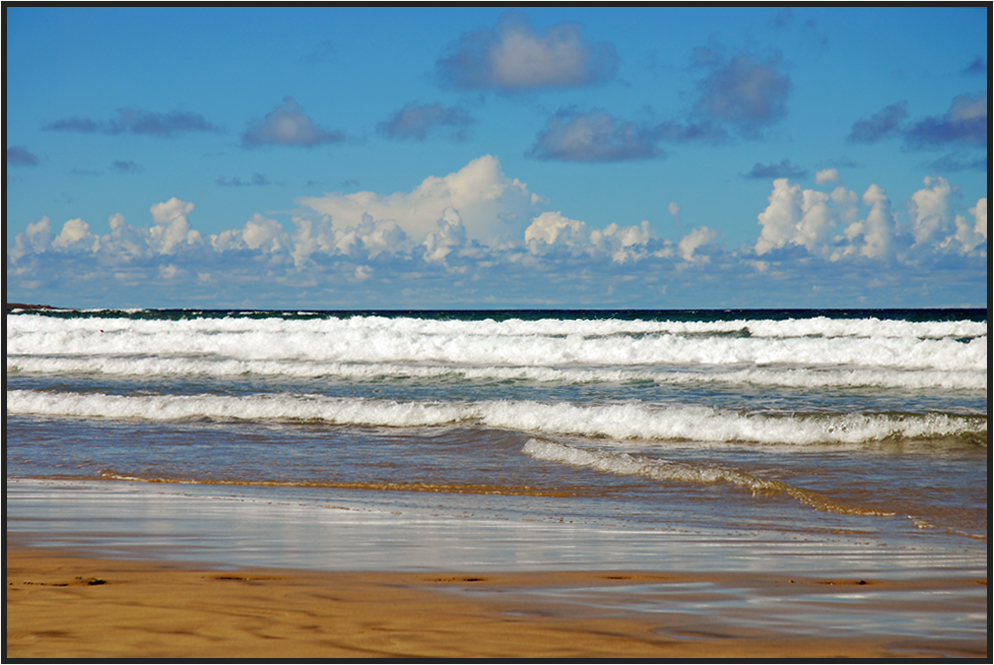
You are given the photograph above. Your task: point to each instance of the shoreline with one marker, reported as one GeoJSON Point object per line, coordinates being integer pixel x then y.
{"type": "Point", "coordinates": [61, 604]}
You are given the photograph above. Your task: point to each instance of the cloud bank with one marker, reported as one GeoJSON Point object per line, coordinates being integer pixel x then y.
{"type": "Point", "coordinates": [477, 236]}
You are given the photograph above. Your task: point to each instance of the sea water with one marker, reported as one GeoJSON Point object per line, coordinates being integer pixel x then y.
{"type": "Point", "coordinates": [708, 440]}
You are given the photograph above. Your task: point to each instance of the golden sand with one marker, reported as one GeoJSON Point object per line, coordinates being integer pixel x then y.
{"type": "Point", "coordinates": [65, 606]}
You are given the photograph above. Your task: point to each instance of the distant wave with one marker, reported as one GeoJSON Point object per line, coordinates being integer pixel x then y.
{"type": "Point", "coordinates": [819, 326]}
{"type": "Point", "coordinates": [39, 343]}
{"type": "Point", "coordinates": [626, 420]}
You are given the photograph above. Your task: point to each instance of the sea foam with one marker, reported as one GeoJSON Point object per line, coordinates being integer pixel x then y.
{"type": "Point", "coordinates": [622, 421]}
{"type": "Point", "coordinates": [107, 345]}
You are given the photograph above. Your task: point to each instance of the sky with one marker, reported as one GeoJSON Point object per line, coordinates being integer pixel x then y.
{"type": "Point", "coordinates": [487, 157]}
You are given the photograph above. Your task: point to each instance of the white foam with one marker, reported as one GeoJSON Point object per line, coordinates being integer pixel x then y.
{"type": "Point", "coordinates": [666, 471]}
{"type": "Point", "coordinates": [810, 327]}
{"type": "Point", "coordinates": [627, 420]}
{"type": "Point", "coordinates": [200, 366]}
{"type": "Point", "coordinates": [551, 344]}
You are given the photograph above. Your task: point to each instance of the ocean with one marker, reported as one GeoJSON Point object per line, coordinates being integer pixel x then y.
{"type": "Point", "coordinates": [833, 440]}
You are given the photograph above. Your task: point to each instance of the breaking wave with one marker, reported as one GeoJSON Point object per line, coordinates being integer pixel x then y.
{"type": "Point", "coordinates": [625, 420]}
{"type": "Point", "coordinates": [665, 471]}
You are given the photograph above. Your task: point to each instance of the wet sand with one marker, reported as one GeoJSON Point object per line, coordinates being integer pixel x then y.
{"type": "Point", "coordinates": [60, 605]}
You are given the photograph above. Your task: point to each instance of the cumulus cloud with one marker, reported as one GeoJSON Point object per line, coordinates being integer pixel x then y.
{"type": "Point", "coordinates": [695, 240]}
{"type": "Point", "coordinates": [135, 121]}
{"type": "Point", "coordinates": [744, 92]}
{"type": "Point", "coordinates": [964, 124]}
{"type": "Point", "coordinates": [873, 236]}
{"type": "Point", "coordinates": [370, 238]}
{"type": "Point", "coordinates": [172, 228]}
{"type": "Point", "coordinates": [881, 125]}
{"type": "Point", "coordinates": [809, 218]}
{"type": "Point", "coordinates": [794, 216]}
{"type": "Point", "coordinates": [125, 242]}
{"type": "Point", "coordinates": [35, 239]}
{"type": "Point", "coordinates": [552, 228]}
{"type": "Point", "coordinates": [450, 236]}
{"type": "Point", "coordinates": [415, 121]}
{"type": "Point", "coordinates": [490, 204]}
{"type": "Point", "coordinates": [287, 125]}
{"type": "Point", "coordinates": [969, 235]}
{"type": "Point", "coordinates": [826, 175]}
{"type": "Point", "coordinates": [362, 252]}
{"type": "Point", "coordinates": [513, 57]}
{"type": "Point", "coordinates": [553, 234]}
{"type": "Point", "coordinates": [929, 209]}
{"type": "Point", "coordinates": [75, 237]}
{"type": "Point", "coordinates": [623, 243]}
{"type": "Point", "coordinates": [19, 156]}
{"type": "Point", "coordinates": [784, 169]}
{"type": "Point", "coordinates": [595, 136]}
{"type": "Point", "coordinates": [259, 233]}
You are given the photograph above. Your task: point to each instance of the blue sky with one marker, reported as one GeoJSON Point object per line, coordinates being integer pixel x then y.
{"type": "Point", "coordinates": [492, 157]}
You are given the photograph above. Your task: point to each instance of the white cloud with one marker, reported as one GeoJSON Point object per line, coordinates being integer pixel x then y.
{"type": "Point", "coordinates": [696, 239]}
{"type": "Point", "coordinates": [310, 236]}
{"type": "Point", "coordinates": [929, 209]}
{"type": "Point", "coordinates": [374, 236]}
{"type": "Point", "coordinates": [35, 239]}
{"type": "Point", "coordinates": [797, 217]}
{"type": "Point", "coordinates": [358, 251]}
{"type": "Point", "coordinates": [623, 243]}
{"type": "Point", "coordinates": [259, 233]}
{"type": "Point", "coordinates": [877, 229]}
{"type": "Point", "coordinates": [551, 228]}
{"type": "Point", "coordinates": [979, 213]}
{"type": "Point", "coordinates": [171, 226]}
{"type": "Point", "coordinates": [450, 236]}
{"type": "Point", "coordinates": [970, 236]}
{"type": "Point", "coordinates": [827, 175]}
{"type": "Point", "coordinates": [515, 57]}
{"type": "Point", "coordinates": [490, 204]}
{"type": "Point", "coordinates": [780, 217]}
{"type": "Point", "coordinates": [76, 237]}
{"type": "Point", "coordinates": [125, 241]}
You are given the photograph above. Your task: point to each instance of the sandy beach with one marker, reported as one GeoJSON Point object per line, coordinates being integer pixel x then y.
{"type": "Point", "coordinates": [65, 606]}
